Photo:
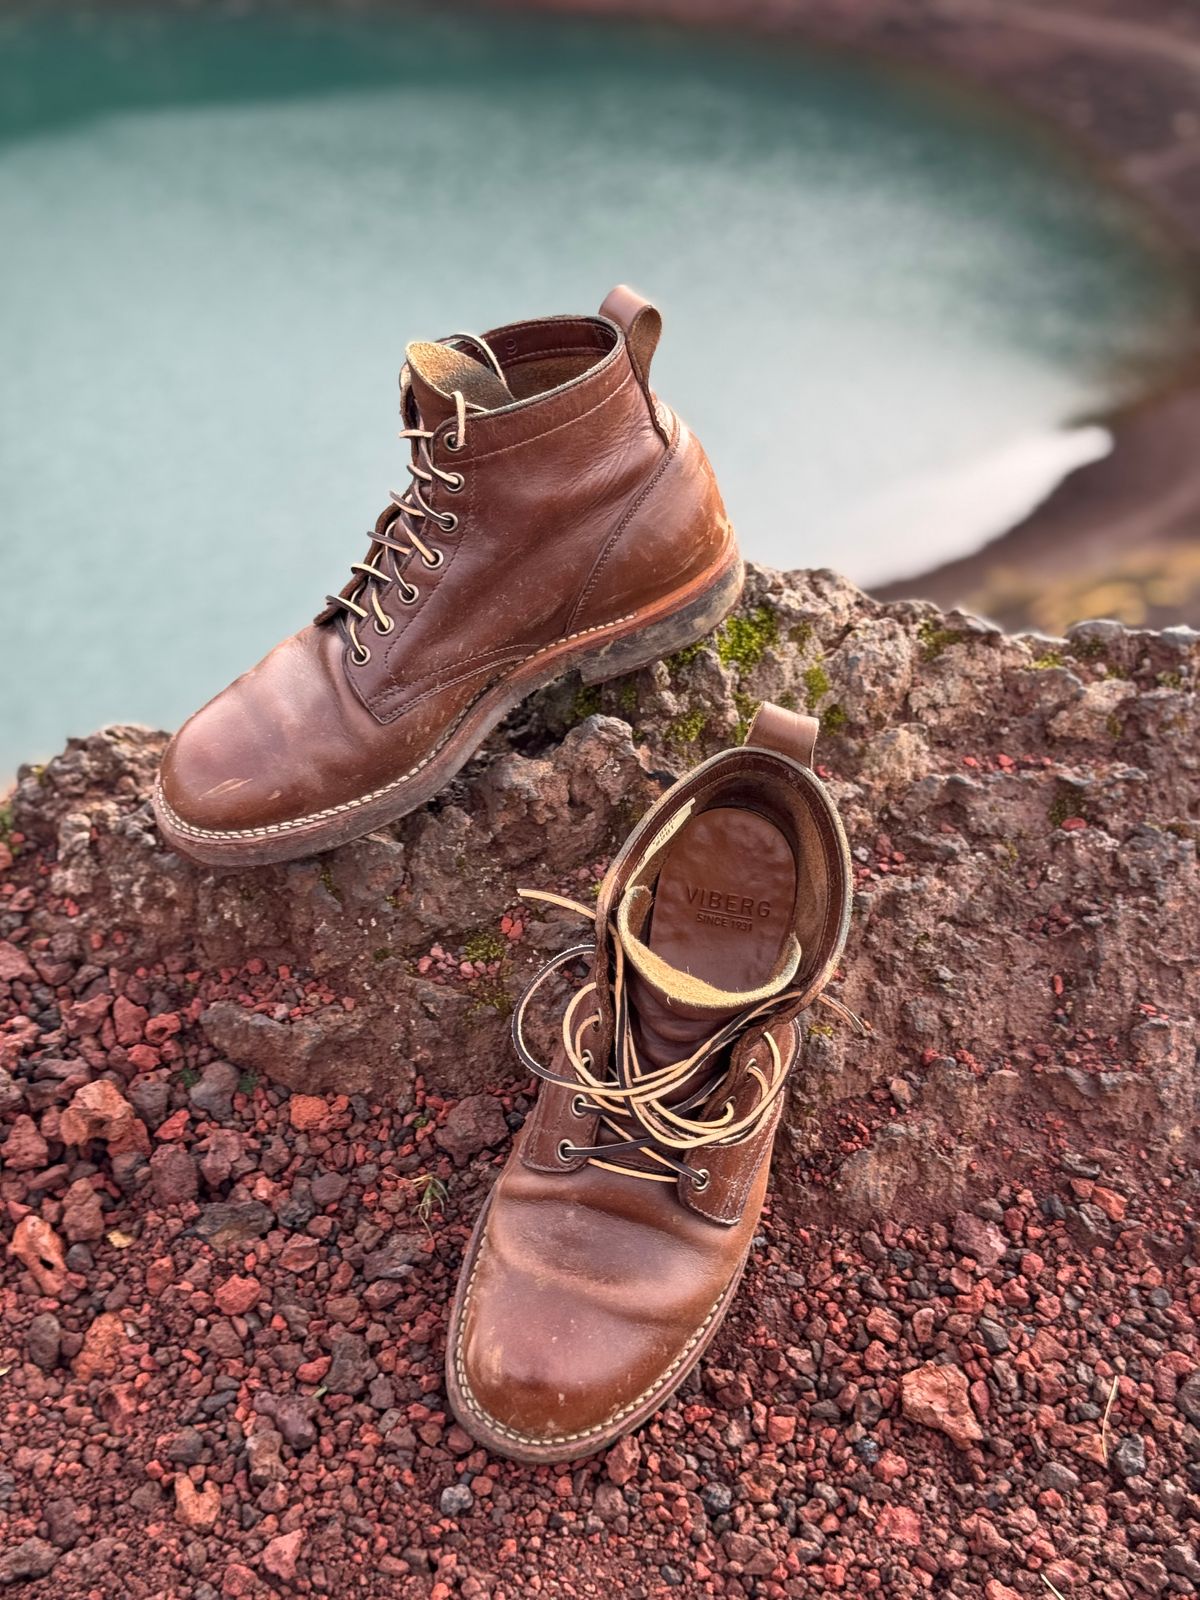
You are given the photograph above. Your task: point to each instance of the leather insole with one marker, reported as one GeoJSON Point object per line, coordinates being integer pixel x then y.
{"type": "Point", "coordinates": [725, 899]}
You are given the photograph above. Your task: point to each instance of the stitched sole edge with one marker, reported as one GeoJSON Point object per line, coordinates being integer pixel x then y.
{"type": "Point", "coordinates": [273, 829]}
{"type": "Point", "coordinates": [551, 1449]}
{"type": "Point", "coordinates": [324, 830]}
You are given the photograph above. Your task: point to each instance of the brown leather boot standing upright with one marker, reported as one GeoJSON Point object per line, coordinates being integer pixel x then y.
{"type": "Point", "coordinates": [559, 518]}
{"type": "Point", "coordinates": [611, 1246]}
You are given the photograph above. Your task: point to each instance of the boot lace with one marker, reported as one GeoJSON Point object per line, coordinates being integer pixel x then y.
{"type": "Point", "coordinates": [641, 1107]}
{"type": "Point", "coordinates": [359, 601]}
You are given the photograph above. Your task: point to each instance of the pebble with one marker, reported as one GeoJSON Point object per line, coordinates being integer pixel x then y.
{"type": "Point", "coordinates": [975, 1237]}
{"type": "Point", "coordinates": [213, 1095]}
{"type": "Point", "coordinates": [24, 1150]}
{"type": "Point", "coordinates": [174, 1175]}
{"type": "Point", "coordinates": [43, 1342]}
{"type": "Point", "coordinates": [717, 1498]}
{"type": "Point", "coordinates": [36, 1245]}
{"type": "Point", "coordinates": [1129, 1458]}
{"type": "Point", "coordinates": [938, 1397]}
{"type": "Point", "coordinates": [237, 1295]}
{"type": "Point", "coordinates": [456, 1500]}
{"type": "Point", "coordinates": [100, 1354]}
{"type": "Point", "coordinates": [351, 1367]}
{"type": "Point", "coordinates": [308, 1113]}
{"type": "Point", "coordinates": [1187, 1397]}
{"type": "Point", "coordinates": [621, 1462]}
{"type": "Point", "coordinates": [263, 1457]}
{"type": "Point", "coordinates": [186, 1448]}
{"type": "Point", "coordinates": [62, 1519]}
{"type": "Point", "coordinates": [476, 1123]}
{"type": "Point", "coordinates": [994, 1335]}
{"type": "Point", "coordinates": [83, 1215]}
{"type": "Point", "coordinates": [32, 1558]}
{"type": "Point", "coordinates": [197, 1507]}
{"type": "Point", "coordinates": [280, 1555]}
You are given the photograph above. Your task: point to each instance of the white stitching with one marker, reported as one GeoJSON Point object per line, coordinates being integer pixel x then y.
{"type": "Point", "coordinates": [269, 829]}
{"type": "Point", "coordinates": [586, 1433]}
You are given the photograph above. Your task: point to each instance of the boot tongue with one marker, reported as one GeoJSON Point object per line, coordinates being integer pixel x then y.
{"type": "Point", "coordinates": [435, 371]}
{"type": "Point", "coordinates": [673, 1013]}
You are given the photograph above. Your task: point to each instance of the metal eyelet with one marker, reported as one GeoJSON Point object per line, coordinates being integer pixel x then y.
{"type": "Point", "coordinates": [409, 594]}
{"type": "Point", "coordinates": [566, 1150]}
{"type": "Point", "coordinates": [579, 1105]}
{"type": "Point", "coordinates": [448, 523]}
{"type": "Point", "coordinates": [452, 443]}
{"type": "Point", "coordinates": [383, 632]}
{"type": "Point", "coordinates": [360, 656]}
{"type": "Point", "coordinates": [702, 1182]}
{"type": "Point", "coordinates": [433, 565]}
{"type": "Point", "coordinates": [454, 483]}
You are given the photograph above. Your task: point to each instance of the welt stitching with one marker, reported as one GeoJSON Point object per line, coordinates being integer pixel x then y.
{"type": "Point", "coordinates": [268, 830]}
{"type": "Point", "coordinates": [564, 1438]}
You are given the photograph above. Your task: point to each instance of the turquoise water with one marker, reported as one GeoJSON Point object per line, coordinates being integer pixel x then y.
{"type": "Point", "coordinates": [882, 304]}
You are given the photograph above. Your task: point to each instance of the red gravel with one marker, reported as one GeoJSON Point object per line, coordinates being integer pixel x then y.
{"type": "Point", "coordinates": [224, 1371]}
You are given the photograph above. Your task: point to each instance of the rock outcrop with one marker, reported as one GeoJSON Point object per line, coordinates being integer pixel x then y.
{"type": "Point", "coordinates": [247, 1123]}
{"type": "Point", "coordinates": [1023, 814]}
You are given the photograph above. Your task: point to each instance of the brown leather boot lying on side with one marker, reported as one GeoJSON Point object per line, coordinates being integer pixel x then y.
{"type": "Point", "coordinates": [559, 518]}
{"type": "Point", "coordinates": [612, 1244]}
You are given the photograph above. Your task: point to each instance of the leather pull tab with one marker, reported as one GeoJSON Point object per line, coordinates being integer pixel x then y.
{"type": "Point", "coordinates": [641, 323]}
{"type": "Point", "coordinates": [790, 733]}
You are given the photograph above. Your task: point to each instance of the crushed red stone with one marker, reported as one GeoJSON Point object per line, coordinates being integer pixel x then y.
{"type": "Point", "coordinates": [983, 1215]}
{"type": "Point", "coordinates": [231, 1409]}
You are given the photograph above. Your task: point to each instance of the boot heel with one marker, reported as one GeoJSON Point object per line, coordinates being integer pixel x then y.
{"type": "Point", "coordinates": [674, 632]}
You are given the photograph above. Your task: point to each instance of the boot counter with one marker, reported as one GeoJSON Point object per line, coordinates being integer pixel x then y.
{"type": "Point", "coordinates": [674, 530]}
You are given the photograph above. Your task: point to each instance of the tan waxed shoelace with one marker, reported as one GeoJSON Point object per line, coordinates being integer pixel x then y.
{"type": "Point", "coordinates": [363, 590]}
{"type": "Point", "coordinates": [635, 1104]}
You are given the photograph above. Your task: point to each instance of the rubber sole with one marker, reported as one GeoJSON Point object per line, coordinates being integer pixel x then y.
{"type": "Point", "coordinates": [501, 1441]}
{"type": "Point", "coordinates": [597, 655]}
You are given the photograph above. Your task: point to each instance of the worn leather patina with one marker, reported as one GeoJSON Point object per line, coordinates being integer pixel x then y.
{"type": "Point", "coordinates": [559, 518]}
{"type": "Point", "coordinates": [612, 1243]}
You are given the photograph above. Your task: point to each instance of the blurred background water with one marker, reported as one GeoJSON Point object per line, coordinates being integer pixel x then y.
{"type": "Point", "coordinates": [886, 307]}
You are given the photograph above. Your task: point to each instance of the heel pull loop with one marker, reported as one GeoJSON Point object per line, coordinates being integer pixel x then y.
{"type": "Point", "coordinates": [641, 324]}
{"type": "Point", "coordinates": [789, 733]}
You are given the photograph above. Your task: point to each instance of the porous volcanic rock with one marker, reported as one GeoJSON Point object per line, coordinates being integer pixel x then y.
{"type": "Point", "coordinates": [1026, 915]}
{"type": "Point", "coordinates": [272, 1103]}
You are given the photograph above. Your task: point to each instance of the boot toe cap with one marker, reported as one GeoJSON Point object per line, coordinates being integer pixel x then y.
{"type": "Point", "coordinates": [212, 775]}
{"type": "Point", "coordinates": [276, 745]}
{"type": "Point", "coordinates": [555, 1375]}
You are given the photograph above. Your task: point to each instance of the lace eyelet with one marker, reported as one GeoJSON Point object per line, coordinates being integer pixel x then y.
{"type": "Point", "coordinates": [360, 656]}
{"type": "Point", "coordinates": [448, 523]}
{"type": "Point", "coordinates": [454, 483]}
{"type": "Point", "coordinates": [579, 1106]}
{"type": "Point", "coordinates": [409, 594]}
{"type": "Point", "coordinates": [433, 565]}
{"type": "Point", "coordinates": [566, 1150]}
{"type": "Point", "coordinates": [383, 632]}
{"type": "Point", "coordinates": [702, 1182]}
{"type": "Point", "coordinates": [586, 1058]}
{"type": "Point", "coordinates": [452, 443]}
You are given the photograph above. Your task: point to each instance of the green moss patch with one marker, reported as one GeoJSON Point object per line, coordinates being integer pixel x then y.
{"type": "Point", "coordinates": [742, 641]}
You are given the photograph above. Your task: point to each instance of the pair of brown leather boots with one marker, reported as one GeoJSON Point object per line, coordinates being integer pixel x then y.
{"type": "Point", "coordinates": [560, 518]}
